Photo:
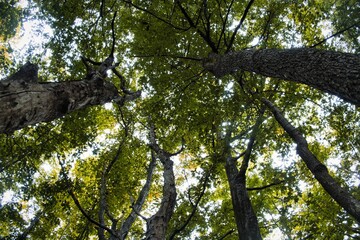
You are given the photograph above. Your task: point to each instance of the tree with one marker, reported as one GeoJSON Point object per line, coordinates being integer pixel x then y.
{"type": "Point", "coordinates": [332, 72]}
{"type": "Point", "coordinates": [24, 101]}
{"type": "Point", "coordinates": [340, 195]}
{"type": "Point", "coordinates": [94, 172]}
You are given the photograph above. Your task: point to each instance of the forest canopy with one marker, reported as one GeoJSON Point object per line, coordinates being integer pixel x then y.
{"type": "Point", "coordinates": [182, 119]}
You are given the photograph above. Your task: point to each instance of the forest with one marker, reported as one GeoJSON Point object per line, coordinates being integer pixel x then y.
{"type": "Point", "coordinates": [180, 119]}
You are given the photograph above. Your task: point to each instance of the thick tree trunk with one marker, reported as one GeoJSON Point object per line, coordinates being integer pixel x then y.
{"type": "Point", "coordinates": [24, 101]}
{"type": "Point", "coordinates": [332, 72]}
{"type": "Point", "coordinates": [339, 194]}
{"type": "Point", "coordinates": [246, 220]}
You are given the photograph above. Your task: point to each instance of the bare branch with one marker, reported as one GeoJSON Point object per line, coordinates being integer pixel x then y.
{"type": "Point", "coordinates": [227, 234]}
{"type": "Point", "coordinates": [223, 29]}
{"type": "Point", "coordinates": [113, 34]}
{"type": "Point", "coordinates": [32, 225]}
{"type": "Point", "coordinates": [170, 56]}
{"type": "Point", "coordinates": [255, 129]}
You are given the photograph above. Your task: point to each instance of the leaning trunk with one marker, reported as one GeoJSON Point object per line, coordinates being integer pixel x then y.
{"type": "Point", "coordinates": [339, 194]}
{"type": "Point", "coordinates": [332, 72]}
{"type": "Point", "coordinates": [24, 101]}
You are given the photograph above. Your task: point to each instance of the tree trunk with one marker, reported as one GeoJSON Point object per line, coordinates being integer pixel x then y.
{"type": "Point", "coordinates": [339, 194]}
{"type": "Point", "coordinates": [137, 206]}
{"type": "Point", "coordinates": [246, 220]}
{"type": "Point", "coordinates": [157, 224]}
{"type": "Point", "coordinates": [332, 72]}
{"type": "Point", "coordinates": [24, 101]}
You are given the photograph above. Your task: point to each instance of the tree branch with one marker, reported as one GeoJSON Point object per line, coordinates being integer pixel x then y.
{"type": "Point", "coordinates": [227, 234]}
{"type": "Point", "coordinates": [78, 205]}
{"type": "Point", "coordinates": [157, 17]}
{"type": "Point", "coordinates": [335, 34]}
{"type": "Point", "coordinates": [136, 208]}
{"type": "Point", "coordinates": [239, 25]}
{"type": "Point", "coordinates": [206, 38]}
{"type": "Point", "coordinates": [264, 187]}
{"type": "Point", "coordinates": [223, 29]}
{"type": "Point", "coordinates": [194, 208]}
{"type": "Point", "coordinates": [32, 225]}
{"type": "Point", "coordinates": [255, 129]}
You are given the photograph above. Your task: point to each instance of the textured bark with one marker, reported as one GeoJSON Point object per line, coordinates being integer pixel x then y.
{"type": "Point", "coordinates": [245, 217]}
{"type": "Point", "coordinates": [137, 206]}
{"type": "Point", "coordinates": [158, 223]}
{"type": "Point", "coordinates": [24, 101]}
{"type": "Point", "coordinates": [246, 220]}
{"type": "Point", "coordinates": [339, 194]}
{"type": "Point", "coordinates": [332, 72]}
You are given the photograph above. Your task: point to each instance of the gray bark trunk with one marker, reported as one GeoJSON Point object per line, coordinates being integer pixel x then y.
{"type": "Point", "coordinates": [158, 223]}
{"type": "Point", "coordinates": [245, 217]}
{"type": "Point", "coordinates": [332, 72]}
{"type": "Point", "coordinates": [24, 101]}
{"type": "Point", "coordinates": [140, 200]}
{"type": "Point", "coordinates": [339, 194]}
{"type": "Point", "coordinates": [246, 220]}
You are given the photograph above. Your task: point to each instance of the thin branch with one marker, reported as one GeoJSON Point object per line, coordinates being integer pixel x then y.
{"type": "Point", "coordinates": [171, 56]}
{"type": "Point", "coordinates": [207, 16]}
{"type": "Point", "coordinates": [194, 207]}
{"type": "Point", "coordinates": [78, 205]}
{"type": "Point", "coordinates": [264, 187]}
{"type": "Point", "coordinates": [240, 135]}
{"type": "Point", "coordinates": [102, 4]}
{"type": "Point", "coordinates": [113, 34]}
{"type": "Point", "coordinates": [32, 225]}
{"type": "Point", "coordinates": [137, 206]}
{"type": "Point", "coordinates": [205, 37]}
{"type": "Point", "coordinates": [223, 29]}
{"type": "Point", "coordinates": [251, 142]}
{"type": "Point", "coordinates": [227, 234]}
{"type": "Point", "coordinates": [239, 25]}
{"type": "Point", "coordinates": [334, 35]}
{"type": "Point", "coordinates": [155, 16]}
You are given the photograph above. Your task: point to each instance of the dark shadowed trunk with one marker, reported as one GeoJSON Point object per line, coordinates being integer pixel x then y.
{"type": "Point", "coordinates": [339, 194]}
{"type": "Point", "coordinates": [24, 101]}
{"type": "Point", "coordinates": [332, 72]}
{"type": "Point", "coordinates": [245, 217]}
{"type": "Point", "coordinates": [246, 220]}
